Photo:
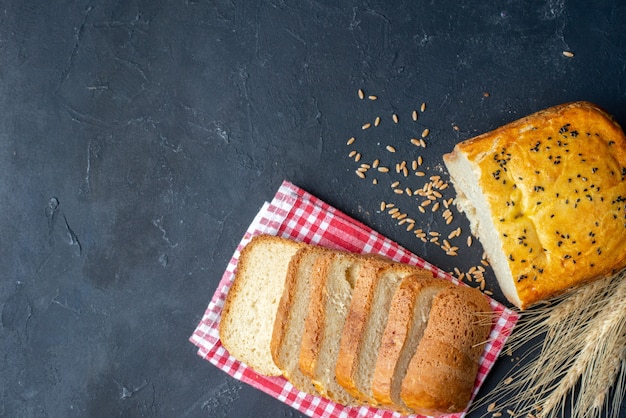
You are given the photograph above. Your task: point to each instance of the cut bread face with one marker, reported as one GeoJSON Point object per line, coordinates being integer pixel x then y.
{"type": "Point", "coordinates": [545, 196]}
{"type": "Point", "coordinates": [292, 313]}
{"type": "Point", "coordinates": [247, 319]}
{"type": "Point", "coordinates": [331, 295]}
{"type": "Point", "coordinates": [470, 200]}
{"type": "Point", "coordinates": [409, 312]}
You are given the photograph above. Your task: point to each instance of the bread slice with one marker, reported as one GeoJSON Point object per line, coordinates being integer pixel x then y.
{"type": "Point", "coordinates": [441, 374]}
{"type": "Point", "coordinates": [314, 320]}
{"type": "Point", "coordinates": [365, 325]}
{"type": "Point", "coordinates": [409, 313]}
{"type": "Point", "coordinates": [292, 312]}
{"type": "Point", "coordinates": [331, 293]}
{"type": "Point", "coordinates": [252, 302]}
{"type": "Point", "coordinates": [545, 196]}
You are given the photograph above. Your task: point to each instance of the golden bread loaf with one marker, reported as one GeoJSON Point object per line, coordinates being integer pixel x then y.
{"type": "Point", "coordinates": [546, 196]}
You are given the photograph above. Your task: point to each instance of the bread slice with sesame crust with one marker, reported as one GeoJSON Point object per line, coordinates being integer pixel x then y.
{"type": "Point", "coordinates": [248, 315]}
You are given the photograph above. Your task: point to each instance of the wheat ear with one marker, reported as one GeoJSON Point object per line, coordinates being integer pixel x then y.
{"type": "Point", "coordinates": [603, 330]}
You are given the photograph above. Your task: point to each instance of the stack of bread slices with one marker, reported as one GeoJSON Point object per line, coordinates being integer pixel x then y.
{"type": "Point", "coordinates": [360, 330]}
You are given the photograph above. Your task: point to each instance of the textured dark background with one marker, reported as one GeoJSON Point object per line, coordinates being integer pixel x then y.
{"type": "Point", "coordinates": [139, 138]}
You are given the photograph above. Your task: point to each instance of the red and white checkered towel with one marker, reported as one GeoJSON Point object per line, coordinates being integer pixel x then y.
{"type": "Point", "coordinates": [298, 215]}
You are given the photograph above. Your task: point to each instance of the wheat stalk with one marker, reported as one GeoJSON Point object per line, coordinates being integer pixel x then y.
{"type": "Point", "coordinates": [609, 356]}
{"type": "Point", "coordinates": [584, 348]}
{"type": "Point", "coordinates": [608, 375]}
{"type": "Point", "coordinates": [599, 336]}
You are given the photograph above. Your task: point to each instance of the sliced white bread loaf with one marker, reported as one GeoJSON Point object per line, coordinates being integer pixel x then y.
{"type": "Point", "coordinates": [292, 312]}
{"type": "Point", "coordinates": [342, 312]}
{"type": "Point", "coordinates": [331, 294]}
{"type": "Point", "coordinates": [250, 308]}
{"type": "Point", "coordinates": [409, 312]}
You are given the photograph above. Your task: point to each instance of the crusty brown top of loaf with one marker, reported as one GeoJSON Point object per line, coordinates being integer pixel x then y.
{"type": "Point", "coordinates": [555, 180]}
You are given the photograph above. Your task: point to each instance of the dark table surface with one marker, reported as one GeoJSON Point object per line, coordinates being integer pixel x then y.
{"type": "Point", "coordinates": [139, 138]}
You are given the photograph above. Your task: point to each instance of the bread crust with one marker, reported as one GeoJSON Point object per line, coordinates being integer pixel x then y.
{"type": "Point", "coordinates": [555, 185]}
